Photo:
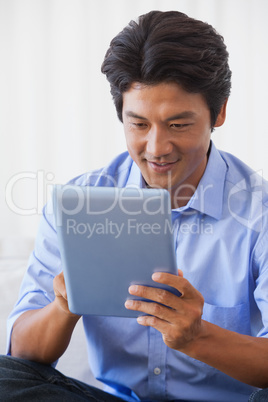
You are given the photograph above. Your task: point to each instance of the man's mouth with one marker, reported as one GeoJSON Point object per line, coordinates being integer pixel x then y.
{"type": "Point", "coordinates": [161, 167]}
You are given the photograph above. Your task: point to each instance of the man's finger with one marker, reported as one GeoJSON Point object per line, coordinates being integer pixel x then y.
{"type": "Point", "coordinates": [177, 282]}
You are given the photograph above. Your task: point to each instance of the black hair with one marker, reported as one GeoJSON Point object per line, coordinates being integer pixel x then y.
{"type": "Point", "coordinates": [169, 47]}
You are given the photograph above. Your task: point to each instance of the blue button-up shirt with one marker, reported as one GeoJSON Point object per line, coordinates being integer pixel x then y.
{"type": "Point", "coordinates": [221, 242]}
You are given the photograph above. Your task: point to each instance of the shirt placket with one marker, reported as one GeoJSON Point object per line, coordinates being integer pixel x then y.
{"type": "Point", "coordinates": [156, 365]}
{"type": "Point", "coordinates": [157, 362]}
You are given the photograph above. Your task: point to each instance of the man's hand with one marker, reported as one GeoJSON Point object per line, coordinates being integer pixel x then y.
{"type": "Point", "coordinates": [61, 294]}
{"type": "Point", "coordinates": [177, 318]}
{"type": "Point", "coordinates": [43, 334]}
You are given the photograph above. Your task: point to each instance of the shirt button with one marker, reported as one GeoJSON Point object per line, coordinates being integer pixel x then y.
{"type": "Point", "coordinates": [157, 371]}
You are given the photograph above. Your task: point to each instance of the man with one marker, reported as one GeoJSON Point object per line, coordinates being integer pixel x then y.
{"type": "Point", "coordinates": [170, 82]}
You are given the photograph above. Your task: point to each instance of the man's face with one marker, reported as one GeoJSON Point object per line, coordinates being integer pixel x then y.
{"type": "Point", "coordinates": [168, 133]}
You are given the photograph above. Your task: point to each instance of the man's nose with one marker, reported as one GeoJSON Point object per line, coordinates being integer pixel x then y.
{"type": "Point", "coordinates": [158, 142]}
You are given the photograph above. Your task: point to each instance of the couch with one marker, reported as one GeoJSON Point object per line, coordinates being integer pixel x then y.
{"type": "Point", "coordinates": [14, 255]}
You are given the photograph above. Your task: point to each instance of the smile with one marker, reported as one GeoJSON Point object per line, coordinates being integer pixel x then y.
{"type": "Point", "coordinates": [161, 167]}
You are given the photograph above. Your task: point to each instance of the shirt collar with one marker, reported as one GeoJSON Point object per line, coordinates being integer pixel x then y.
{"type": "Point", "coordinates": [208, 197]}
{"type": "Point", "coordinates": [135, 178]}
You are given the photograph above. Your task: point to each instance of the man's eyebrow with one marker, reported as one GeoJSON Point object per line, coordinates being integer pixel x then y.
{"type": "Point", "coordinates": [188, 114]}
{"type": "Point", "coordinates": [129, 113]}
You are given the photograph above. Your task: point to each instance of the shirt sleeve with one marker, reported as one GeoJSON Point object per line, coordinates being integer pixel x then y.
{"type": "Point", "coordinates": [44, 264]}
{"type": "Point", "coordinates": [261, 274]}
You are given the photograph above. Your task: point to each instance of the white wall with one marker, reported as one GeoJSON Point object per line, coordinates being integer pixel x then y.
{"type": "Point", "coordinates": [57, 119]}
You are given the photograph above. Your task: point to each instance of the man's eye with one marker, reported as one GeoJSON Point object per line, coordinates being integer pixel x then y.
{"type": "Point", "coordinates": [177, 125]}
{"type": "Point", "coordinates": [139, 125]}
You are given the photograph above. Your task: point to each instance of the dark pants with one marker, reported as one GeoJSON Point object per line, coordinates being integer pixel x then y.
{"type": "Point", "coordinates": [259, 396]}
{"type": "Point", "coordinates": [25, 381]}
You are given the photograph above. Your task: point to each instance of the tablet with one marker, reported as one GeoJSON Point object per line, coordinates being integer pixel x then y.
{"type": "Point", "coordinates": [110, 238]}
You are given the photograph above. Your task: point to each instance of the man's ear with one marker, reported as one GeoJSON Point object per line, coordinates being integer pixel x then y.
{"type": "Point", "coordinates": [222, 115]}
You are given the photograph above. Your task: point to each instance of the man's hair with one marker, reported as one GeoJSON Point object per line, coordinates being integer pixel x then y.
{"type": "Point", "coordinates": [169, 47]}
